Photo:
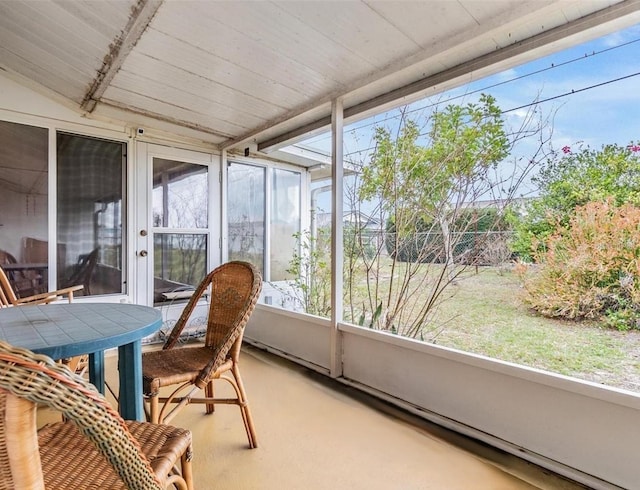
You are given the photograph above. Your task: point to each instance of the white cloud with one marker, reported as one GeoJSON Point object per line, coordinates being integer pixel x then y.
{"type": "Point", "coordinates": [621, 37]}
{"type": "Point", "coordinates": [507, 75]}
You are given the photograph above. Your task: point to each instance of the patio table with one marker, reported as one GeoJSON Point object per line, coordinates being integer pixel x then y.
{"type": "Point", "coordinates": [68, 330]}
{"type": "Point", "coordinates": [25, 266]}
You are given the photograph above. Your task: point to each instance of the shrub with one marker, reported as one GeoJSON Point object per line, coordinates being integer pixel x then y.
{"type": "Point", "coordinates": [590, 268]}
{"type": "Point", "coordinates": [575, 178]}
{"type": "Point", "coordinates": [310, 267]}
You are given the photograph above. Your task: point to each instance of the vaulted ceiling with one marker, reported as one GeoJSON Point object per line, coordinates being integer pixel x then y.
{"type": "Point", "coordinates": [261, 73]}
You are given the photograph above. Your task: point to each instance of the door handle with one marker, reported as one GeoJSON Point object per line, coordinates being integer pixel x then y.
{"type": "Point", "coordinates": [143, 253]}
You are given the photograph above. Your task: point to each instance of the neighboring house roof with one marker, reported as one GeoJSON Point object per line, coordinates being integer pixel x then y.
{"type": "Point", "coordinates": [350, 217]}
{"type": "Point", "coordinates": [497, 203]}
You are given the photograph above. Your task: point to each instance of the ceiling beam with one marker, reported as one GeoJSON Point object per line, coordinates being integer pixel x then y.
{"type": "Point", "coordinates": [161, 117]}
{"type": "Point", "coordinates": [141, 15]}
{"type": "Point", "coordinates": [577, 26]}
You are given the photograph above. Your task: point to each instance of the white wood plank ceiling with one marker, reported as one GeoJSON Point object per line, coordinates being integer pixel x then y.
{"type": "Point", "coordinates": [238, 73]}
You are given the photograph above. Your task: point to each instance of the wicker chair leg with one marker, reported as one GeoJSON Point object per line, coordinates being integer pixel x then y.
{"type": "Point", "coordinates": [177, 482]}
{"type": "Point", "coordinates": [210, 393]}
{"type": "Point", "coordinates": [244, 408]}
{"type": "Point", "coordinates": [182, 478]}
{"type": "Point", "coordinates": [154, 410]}
{"type": "Point", "coordinates": [164, 405]}
{"type": "Point", "coordinates": [187, 470]}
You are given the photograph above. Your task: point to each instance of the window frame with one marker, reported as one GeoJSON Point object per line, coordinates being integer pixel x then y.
{"type": "Point", "coordinates": [269, 168]}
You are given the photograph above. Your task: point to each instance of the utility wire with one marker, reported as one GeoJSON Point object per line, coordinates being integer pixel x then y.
{"type": "Point", "coordinates": [520, 77]}
{"type": "Point", "coordinates": [572, 92]}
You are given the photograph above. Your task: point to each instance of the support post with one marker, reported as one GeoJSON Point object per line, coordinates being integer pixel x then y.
{"type": "Point", "coordinates": [337, 246]}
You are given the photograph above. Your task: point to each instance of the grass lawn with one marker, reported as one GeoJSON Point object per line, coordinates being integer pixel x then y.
{"type": "Point", "coordinates": [489, 318]}
{"type": "Point", "coordinates": [485, 315]}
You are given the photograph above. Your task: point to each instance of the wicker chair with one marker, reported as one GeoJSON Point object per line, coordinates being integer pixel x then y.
{"type": "Point", "coordinates": [93, 448]}
{"type": "Point", "coordinates": [235, 287]}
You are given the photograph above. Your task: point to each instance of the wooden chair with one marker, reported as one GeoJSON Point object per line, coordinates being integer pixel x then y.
{"type": "Point", "coordinates": [83, 271]}
{"type": "Point", "coordinates": [22, 283]}
{"type": "Point", "coordinates": [93, 448]}
{"type": "Point", "coordinates": [8, 296]}
{"type": "Point", "coordinates": [35, 250]}
{"type": "Point", "coordinates": [235, 288]}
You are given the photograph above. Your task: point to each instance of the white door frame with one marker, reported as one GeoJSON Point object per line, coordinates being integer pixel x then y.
{"type": "Point", "coordinates": [142, 213]}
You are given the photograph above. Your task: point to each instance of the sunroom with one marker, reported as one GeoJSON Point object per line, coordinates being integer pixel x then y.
{"type": "Point", "coordinates": [147, 133]}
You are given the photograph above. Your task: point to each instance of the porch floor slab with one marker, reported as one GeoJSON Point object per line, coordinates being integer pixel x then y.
{"type": "Point", "coordinates": [315, 433]}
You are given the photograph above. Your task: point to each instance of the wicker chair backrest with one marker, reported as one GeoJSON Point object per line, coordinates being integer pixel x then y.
{"type": "Point", "coordinates": [234, 289]}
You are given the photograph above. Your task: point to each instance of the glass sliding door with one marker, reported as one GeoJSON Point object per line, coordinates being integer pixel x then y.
{"type": "Point", "coordinates": [285, 222]}
{"type": "Point", "coordinates": [90, 213]}
{"type": "Point", "coordinates": [265, 228]}
{"type": "Point", "coordinates": [24, 174]}
{"type": "Point", "coordinates": [246, 213]}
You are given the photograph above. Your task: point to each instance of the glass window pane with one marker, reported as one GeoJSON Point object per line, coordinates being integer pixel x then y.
{"type": "Point", "coordinates": [180, 194]}
{"type": "Point", "coordinates": [90, 213]}
{"type": "Point", "coordinates": [24, 158]}
{"type": "Point", "coordinates": [285, 222]}
{"type": "Point", "coordinates": [180, 262]}
{"type": "Point", "coordinates": [246, 211]}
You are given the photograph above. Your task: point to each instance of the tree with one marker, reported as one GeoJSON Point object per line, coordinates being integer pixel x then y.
{"type": "Point", "coordinates": [465, 143]}
{"type": "Point", "coordinates": [421, 184]}
{"type": "Point", "coordinates": [571, 179]}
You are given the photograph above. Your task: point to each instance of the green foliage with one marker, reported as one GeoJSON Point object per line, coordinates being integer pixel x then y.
{"type": "Point", "coordinates": [417, 181]}
{"type": "Point", "coordinates": [358, 243]}
{"type": "Point", "coordinates": [590, 268]}
{"type": "Point", "coordinates": [464, 139]}
{"type": "Point", "coordinates": [481, 220]}
{"type": "Point", "coordinates": [575, 179]}
{"type": "Point", "coordinates": [374, 318]}
{"type": "Point", "coordinates": [311, 268]}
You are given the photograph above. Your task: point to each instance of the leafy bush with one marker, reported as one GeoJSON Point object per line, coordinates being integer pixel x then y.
{"type": "Point", "coordinates": [311, 268]}
{"type": "Point", "coordinates": [590, 268]}
{"type": "Point", "coordinates": [571, 179]}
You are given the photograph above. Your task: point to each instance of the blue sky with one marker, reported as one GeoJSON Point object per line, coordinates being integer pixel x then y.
{"type": "Point", "coordinates": [600, 115]}
{"type": "Point", "coordinates": [606, 114]}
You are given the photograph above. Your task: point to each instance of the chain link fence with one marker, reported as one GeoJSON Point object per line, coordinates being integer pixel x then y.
{"type": "Point", "coordinates": [489, 248]}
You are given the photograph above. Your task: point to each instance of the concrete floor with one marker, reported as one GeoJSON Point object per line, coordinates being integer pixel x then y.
{"type": "Point", "coordinates": [317, 434]}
